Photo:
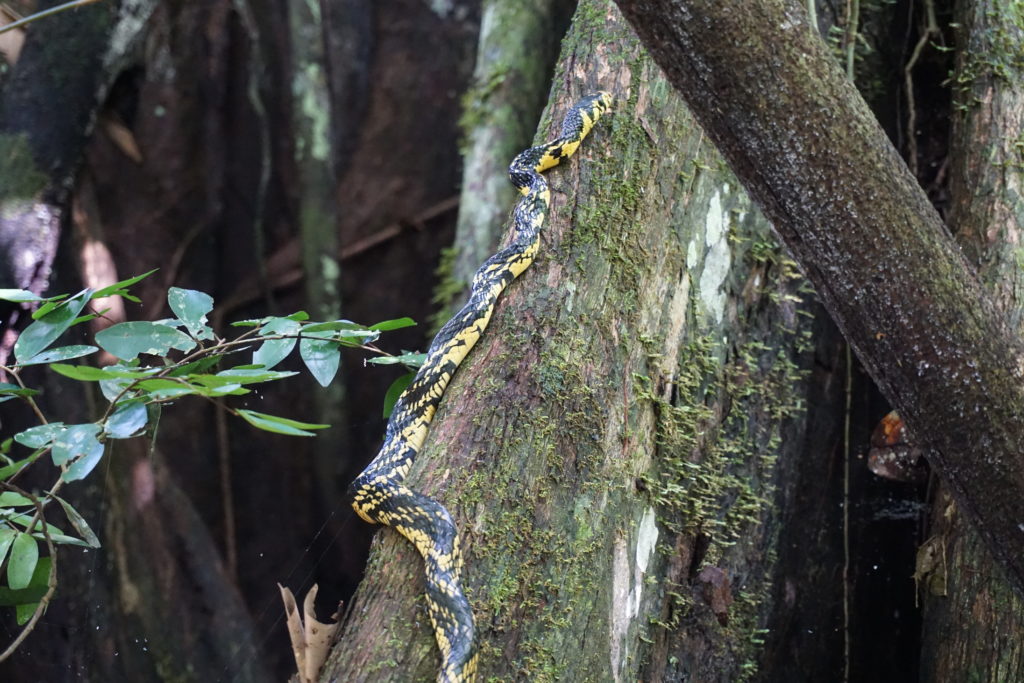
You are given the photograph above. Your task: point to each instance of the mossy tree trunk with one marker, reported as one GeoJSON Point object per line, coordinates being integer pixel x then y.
{"type": "Point", "coordinates": [974, 622]}
{"type": "Point", "coordinates": [608, 450]}
{"type": "Point", "coordinates": [810, 152]}
{"type": "Point", "coordinates": [517, 50]}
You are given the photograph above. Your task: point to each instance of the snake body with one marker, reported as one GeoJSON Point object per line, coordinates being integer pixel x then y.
{"type": "Point", "coordinates": [379, 494]}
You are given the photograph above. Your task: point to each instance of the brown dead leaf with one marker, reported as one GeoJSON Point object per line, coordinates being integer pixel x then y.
{"type": "Point", "coordinates": [930, 567]}
{"type": "Point", "coordinates": [311, 639]}
{"type": "Point", "coordinates": [893, 454]}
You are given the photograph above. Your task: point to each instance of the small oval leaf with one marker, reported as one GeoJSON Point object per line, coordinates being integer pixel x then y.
{"type": "Point", "coordinates": [37, 437]}
{"type": "Point", "coordinates": [191, 307]}
{"type": "Point", "coordinates": [394, 391]}
{"type": "Point", "coordinates": [44, 331]}
{"type": "Point", "coordinates": [127, 420]}
{"type": "Point", "coordinates": [23, 560]}
{"type": "Point", "coordinates": [61, 353]}
{"type": "Point", "coordinates": [77, 521]}
{"type": "Point", "coordinates": [321, 357]}
{"type": "Point", "coordinates": [279, 425]}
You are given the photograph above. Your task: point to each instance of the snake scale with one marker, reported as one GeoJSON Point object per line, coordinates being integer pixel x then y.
{"type": "Point", "coordinates": [379, 494]}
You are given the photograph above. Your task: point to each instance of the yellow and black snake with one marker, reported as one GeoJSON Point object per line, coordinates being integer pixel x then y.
{"type": "Point", "coordinates": [379, 494]}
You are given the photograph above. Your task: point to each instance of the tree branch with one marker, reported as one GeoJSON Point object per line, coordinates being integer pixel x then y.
{"type": "Point", "coordinates": [810, 152]}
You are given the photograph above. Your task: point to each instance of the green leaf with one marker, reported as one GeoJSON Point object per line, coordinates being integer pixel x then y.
{"type": "Point", "coordinates": [127, 420]}
{"type": "Point", "coordinates": [196, 366]}
{"type": "Point", "coordinates": [87, 373]}
{"type": "Point", "coordinates": [412, 360]}
{"type": "Point", "coordinates": [81, 468]}
{"type": "Point", "coordinates": [256, 322]}
{"type": "Point", "coordinates": [24, 520]}
{"type": "Point", "coordinates": [160, 389]}
{"type": "Point", "coordinates": [191, 307]}
{"type": "Point", "coordinates": [8, 471]}
{"type": "Point", "coordinates": [12, 390]}
{"type": "Point", "coordinates": [44, 331]}
{"type": "Point", "coordinates": [396, 324]}
{"type": "Point", "coordinates": [13, 499]}
{"type": "Point", "coordinates": [22, 563]}
{"type": "Point", "coordinates": [341, 329]}
{"type": "Point", "coordinates": [38, 586]}
{"type": "Point", "coordinates": [78, 446]}
{"type": "Point", "coordinates": [273, 351]}
{"type": "Point", "coordinates": [19, 295]}
{"type": "Point", "coordinates": [394, 391]}
{"type": "Point", "coordinates": [124, 375]}
{"type": "Point", "coordinates": [77, 521]}
{"type": "Point", "coordinates": [279, 425]}
{"type": "Point", "coordinates": [7, 536]}
{"type": "Point", "coordinates": [75, 441]}
{"type": "Point", "coordinates": [60, 353]}
{"type": "Point", "coordinates": [226, 390]}
{"type": "Point", "coordinates": [119, 288]}
{"type": "Point", "coordinates": [38, 437]}
{"type": "Point", "coordinates": [331, 325]}
{"type": "Point", "coordinates": [62, 539]}
{"type": "Point", "coordinates": [85, 318]}
{"type": "Point", "coordinates": [26, 596]}
{"type": "Point", "coordinates": [23, 613]}
{"type": "Point", "coordinates": [321, 357]}
{"type": "Point", "coordinates": [128, 340]}
{"type": "Point", "coordinates": [249, 375]}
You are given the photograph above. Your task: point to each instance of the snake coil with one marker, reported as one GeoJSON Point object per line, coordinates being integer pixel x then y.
{"type": "Point", "coordinates": [379, 494]}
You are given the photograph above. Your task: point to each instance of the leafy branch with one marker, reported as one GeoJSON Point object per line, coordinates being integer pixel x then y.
{"type": "Point", "coordinates": [157, 362]}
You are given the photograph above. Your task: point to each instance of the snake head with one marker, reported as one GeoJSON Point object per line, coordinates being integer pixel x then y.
{"type": "Point", "coordinates": [606, 100]}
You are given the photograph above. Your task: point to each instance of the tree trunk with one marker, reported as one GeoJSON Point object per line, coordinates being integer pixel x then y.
{"type": "Point", "coordinates": [806, 147]}
{"type": "Point", "coordinates": [609, 448]}
{"type": "Point", "coordinates": [517, 51]}
{"type": "Point", "coordinates": [974, 622]}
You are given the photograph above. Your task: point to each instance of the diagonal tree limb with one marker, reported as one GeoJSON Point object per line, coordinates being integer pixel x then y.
{"type": "Point", "coordinates": [810, 152]}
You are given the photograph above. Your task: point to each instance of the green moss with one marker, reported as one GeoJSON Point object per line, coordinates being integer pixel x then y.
{"type": "Point", "coordinates": [20, 178]}
{"type": "Point", "coordinates": [477, 106]}
{"type": "Point", "coordinates": [992, 53]}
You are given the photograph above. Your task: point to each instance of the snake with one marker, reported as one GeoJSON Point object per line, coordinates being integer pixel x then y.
{"type": "Point", "coordinates": [379, 494]}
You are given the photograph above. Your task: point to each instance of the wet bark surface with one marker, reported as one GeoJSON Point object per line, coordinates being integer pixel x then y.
{"type": "Point", "coordinates": [974, 622]}
{"type": "Point", "coordinates": [811, 154]}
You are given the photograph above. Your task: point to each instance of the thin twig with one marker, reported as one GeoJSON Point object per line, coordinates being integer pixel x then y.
{"type": "Point", "coordinates": [42, 15]}
{"type": "Point", "coordinates": [28, 399]}
{"type": "Point", "coordinates": [931, 28]}
{"type": "Point", "coordinates": [850, 39]}
{"type": "Point", "coordinates": [226, 491]}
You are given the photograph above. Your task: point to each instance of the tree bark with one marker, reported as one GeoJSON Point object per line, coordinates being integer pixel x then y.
{"type": "Point", "coordinates": [609, 448]}
{"type": "Point", "coordinates": [517, 51]}
{"type": "Point", "coordinates": [811, 154]}
{"type": "Point", "coordinates": [974, 623]}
